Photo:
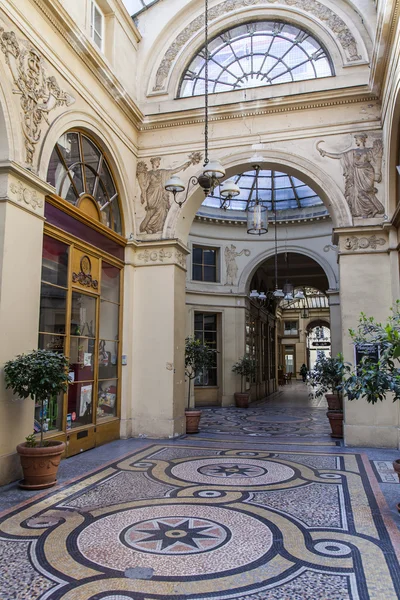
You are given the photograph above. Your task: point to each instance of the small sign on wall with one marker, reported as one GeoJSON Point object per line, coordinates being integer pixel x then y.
{"type": "Point", "coordinates": [371, 351]}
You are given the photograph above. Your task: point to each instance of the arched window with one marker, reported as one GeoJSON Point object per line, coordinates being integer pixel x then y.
{"type": "Point", "coordinates": [256, 54]}
{"type": "Point", "coordinates": [79, 171]}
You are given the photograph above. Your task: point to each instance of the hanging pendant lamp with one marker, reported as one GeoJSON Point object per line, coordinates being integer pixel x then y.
{"type": "Point", "coordinates": [257, 214]}
{"type": "Point", "coordinates": [278, 293]}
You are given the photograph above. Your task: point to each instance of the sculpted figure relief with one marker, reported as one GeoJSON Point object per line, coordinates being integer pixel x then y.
{"type": "Point", "coordinates": [231, 265]}
{"type": "Point", "coordinates": [153, 195]}
{"type": "Point", "coordinates": [362, 167]}
{"type": "Point", "coordinates": [40, 93]}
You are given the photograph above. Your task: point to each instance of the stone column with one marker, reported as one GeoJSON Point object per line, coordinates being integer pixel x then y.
{"type": "Point", "coordinates": [154, 400]}
{"type": "Point", "coordinates": [365, 286]}
{"type": "Point", "coordinates": [335, 321]}
{"type": "Point", "coordinates": [21, 236]}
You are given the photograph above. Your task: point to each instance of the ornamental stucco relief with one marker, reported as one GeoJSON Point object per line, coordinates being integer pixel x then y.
{"type": "Point", "coordinates": [40, 93]}
{"type": "Point", "coordinates": [362, 168]}
{"type": "Point", "coordinates": [26, 195]}
{"type": "Point", "coordinates": [362, 243]}
{"type": "Point", "coordinates": [154, 197]}
{"type": "Point", "coordinates": [313, 7]}
{"type": "Point", "coordinates": [161, 256]}
{"type": "Point", "coordinates": [231, 264]}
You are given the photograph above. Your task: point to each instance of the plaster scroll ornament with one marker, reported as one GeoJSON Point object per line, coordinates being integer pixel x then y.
{"type": "Point", "coordinates": [231, 265]}
{"type": "Point", "coordinates": [155, 255]}
{"type": "Point", "coordinates": [24, 194]}
{"type": "Point", "coordinates": [313, 7]}
{"type": "Point", "coordinates": [154, 197]}
{"type": "Point", "coordinates": [40, 93]}
{"type": "Point", "coordinates": [355, 243]}
{"type": "Point", "coordinates": [362, 167]}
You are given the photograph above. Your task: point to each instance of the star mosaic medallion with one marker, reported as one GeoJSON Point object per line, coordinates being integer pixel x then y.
{"type": "Point", "coordinates": [184, 522]}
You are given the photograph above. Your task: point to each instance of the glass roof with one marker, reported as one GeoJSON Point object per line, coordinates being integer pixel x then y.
{"type": "Point", "coordinates": [278, 191]}
{"type": "Point", "coordinates": [256, 54]}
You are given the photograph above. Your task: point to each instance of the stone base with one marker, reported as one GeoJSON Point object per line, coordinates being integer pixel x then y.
{"type": "Point", "coordinates": [10, 468]}
{"type": "Point", "coordinates": [158, 427]}
{"type": "Point", "coordinates": [371, 436]}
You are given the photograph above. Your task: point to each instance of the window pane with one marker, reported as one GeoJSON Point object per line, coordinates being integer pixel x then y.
{"type": "Point", "coordinates": [107, 399]}
{"type": "Point", "coordinates": [210, 322]}
{"type": "Point", "coordinates": [210, 274]}
{"type": "Point", "coordinates": [53, 302]}
{"type": "Point", "coordinates": [68, 145]}
{"type": "Point", "coordinates": [108, 359]}
{"type": "Point", "coordinates": [55, 343]}
{"type": "Point", "coordinates": [83, 315]}
{"type": "Point", "coordinates": [80, 404]}
{"type": "Point", "coordinates": [197, 273]}
{"type": "Point", "coordinates": [109, 313]}
{"type": "Point", "coordinates": [197, 255]}
{"type": "Point", "coordinates": [54, 261]}
{"type": "Point", "coordinates": [198, 321]}
{"type": "Point", "coordinates": [52, 415]}
{"type": "Point", "coordinates": [91, 154]}
{"type": "Point", "coordinates": [107, 180]}
{"type": "Point", "coordinates": [110, 282]}
{"type": "Point", "coordinates": [209, 257]}
{"type": "Point", "coordinates": [116, 216]}
{"type": "Point", "coordinates": [82, 358]}
{"type": "Point", "coordinates": [56, 171]}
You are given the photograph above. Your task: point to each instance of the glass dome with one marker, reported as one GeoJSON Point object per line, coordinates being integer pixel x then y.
{"type": "Point", "coordinates": [276, 190]}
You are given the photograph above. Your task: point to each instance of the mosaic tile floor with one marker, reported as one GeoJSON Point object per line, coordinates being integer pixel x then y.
{"type": "Point", "coordinates": [193, 522]}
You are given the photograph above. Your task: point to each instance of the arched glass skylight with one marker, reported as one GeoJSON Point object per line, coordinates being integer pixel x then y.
{"type": "Point", "coordinates": [276, 190]}
{"type": "Point", "coordinates": [256, 54]}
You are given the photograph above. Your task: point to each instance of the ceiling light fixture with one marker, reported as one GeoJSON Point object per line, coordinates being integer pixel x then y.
{"type": "Point", "coordinates": [257, 214]}
{"type": "Point", "coordinates": [213, 171]}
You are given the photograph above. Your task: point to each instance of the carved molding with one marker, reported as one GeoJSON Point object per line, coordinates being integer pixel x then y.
{"type": "Point", "coordinates": [40, 93]}
{"type": "Point", "coordinates": [313, 7]}
{"type": "Point", "coordinates": [26, 195]}
{"type": "Point", "coordinates": [181, 259]}
{"type": "Point", "coordinates": [154, 255]}
{"type": "Point", "coordinates": [160, 256]}
{"type": "Point", "coordinates": [362, 243]}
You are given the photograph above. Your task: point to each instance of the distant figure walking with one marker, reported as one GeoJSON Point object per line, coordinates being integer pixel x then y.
{"type": "Point", "coordinates": [304, 372]}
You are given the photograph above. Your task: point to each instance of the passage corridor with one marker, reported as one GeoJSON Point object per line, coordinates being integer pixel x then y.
{"type": "Point", "coordinates": [262, 505]}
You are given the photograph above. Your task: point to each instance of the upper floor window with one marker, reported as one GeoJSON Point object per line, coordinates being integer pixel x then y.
{"type": "Point", "coordinates": [97, 25]}
{"type": "Point", "coordinates": [256, 54]}
{"type": "Point", "coordinates": [79, 171]}
{"type": "Point", "coordinates": [291, 328]}
{"type": "Point", "coordinates": [204, 264]}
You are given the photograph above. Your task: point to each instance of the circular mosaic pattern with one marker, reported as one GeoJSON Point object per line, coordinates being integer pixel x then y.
{"type": "Point", "coordinates": [333, 548]}
{"type": "Point", "coordinates": [210, 494]}
{"type": "Point", "coordinates": [229, 470]}
{"type": "Point", "coordinates": [176, 535]}
{"type": "Point", "coordinates": [235, 471]}
{"type": "Point", "coordinates": [235, 539]}
{"type": "Point", "coordinates": [330, 476]}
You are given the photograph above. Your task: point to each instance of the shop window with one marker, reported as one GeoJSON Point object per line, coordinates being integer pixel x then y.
{"type": "Point", "coordinates": [290, 366]}
{"type": "Point", "coordinates": [97, 25]}
{"type": "Point", "coordinates": [291, 328]}
{"type": "Point", "coordinates": [204, 264]}
{"type": "Point", "coordinates": [79, 171]}
{"type": "Point", "coordinates": [205, 330]}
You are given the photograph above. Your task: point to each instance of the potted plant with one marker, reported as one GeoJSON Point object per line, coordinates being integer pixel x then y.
{"type": "Point", "coordinates": [40, 374]}
{"type": "Point", "coordinates": [377, 373]}
{"type": "Point", "coordinates": [246, 368]}
{"type": "Point", "coordinates": [198, 357]}
{"type": "Point", "coordinates": [327, 378]}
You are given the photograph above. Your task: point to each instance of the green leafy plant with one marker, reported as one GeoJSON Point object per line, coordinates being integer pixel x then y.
{"type": "Point", "coordinates": [40, 374]}
{"type": "Point", "coordinates": [372, 379]}
{"type": "Point", "coordinates": [30, 441]}
{"type": "Point", "coordinates": [246, 368]}
{"type": "Point", "coordinates": [198, 356]}
{"type": "Point", "coordinates": [327, 376]}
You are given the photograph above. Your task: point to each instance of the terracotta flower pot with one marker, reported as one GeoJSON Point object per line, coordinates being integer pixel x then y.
{"type": "Point", "coordinates": [40, 465]}
{"type": "Point", "coordinates": [192, 420]}
{"type": "Point", "coordinates": [336, 423]}
{"type": "Point", "coordinates": [396, 467]}
{"type": "Point", "coordinates": [242, 399]}
{"type": "Point", "coordinates": [335, 402]}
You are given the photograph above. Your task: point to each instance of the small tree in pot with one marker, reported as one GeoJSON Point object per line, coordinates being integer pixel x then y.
{"type": "Point", "coordinates": [327, 378]}
{"type": "Point", "coordinates": [246, 368]}
{"type": "Point", "coordinates": [40, 374]}
{"type": "Point", "coordinates": [198, 357]}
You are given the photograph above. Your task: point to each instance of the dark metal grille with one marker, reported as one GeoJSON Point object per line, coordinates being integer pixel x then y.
{"type": "Point", "coordinates": [253, 55]}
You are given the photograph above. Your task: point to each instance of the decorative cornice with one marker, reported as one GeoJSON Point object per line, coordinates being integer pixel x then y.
{"type": "Point", "coordinates": [243, 223]}
{"type": "Point", "coordinates": [362, 243]}
{"type": "Point", "coordinates": [324, 14]}
{"type": "Point", "coordinates": [157, 253]}
{"type": "Point", "coordinates": [226, 113]}
{"type": "Point", "coordinates": [26, 194]}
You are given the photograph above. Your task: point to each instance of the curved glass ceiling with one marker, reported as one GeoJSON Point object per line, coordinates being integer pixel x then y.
{"type": "Point", "coordinates": [276, 190]}
{"type": "Point", "coordinates": [256, 54]}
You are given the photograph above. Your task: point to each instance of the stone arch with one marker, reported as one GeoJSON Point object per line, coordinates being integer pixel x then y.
{"type": "Point", "coordinates": [252, 266]}
{"type": "Point", "coordinates": [179, 221]}
{"type": "Point", "coordinates": [334, 28]}
{"type": "Point", "coordinates": [96, 128]}
{"type": "Point", "coordinates": [318, 322]}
